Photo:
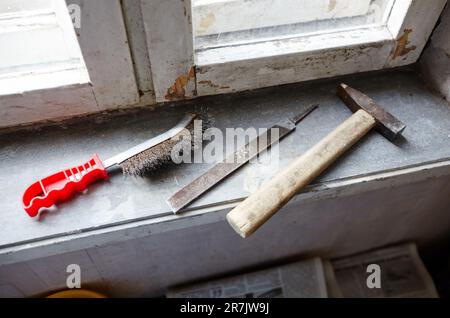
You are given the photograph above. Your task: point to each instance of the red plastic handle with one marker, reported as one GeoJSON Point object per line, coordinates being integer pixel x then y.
{"type": "Point", "coordinates": [62, 185]}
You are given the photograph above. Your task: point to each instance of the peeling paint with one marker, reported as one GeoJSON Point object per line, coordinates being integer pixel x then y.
{"type": "Point", "coordinates": [402, 45]}
{"type": "Point", "coordinates": [178, 88]}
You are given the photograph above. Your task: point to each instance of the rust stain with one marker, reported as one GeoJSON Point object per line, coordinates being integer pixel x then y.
{"type": "Point", "coordinates": [191, 72]}
{"type": "Point", "coordinates": [402, 45]}
{"type": "Point", "coordinates": [178, 88]}
{"type": "Point", "coordinates": [331, 5]}
{"type": "Point", "coordinates": [192, 77]}
{"type": "Point", "coordinates": [212, 85]}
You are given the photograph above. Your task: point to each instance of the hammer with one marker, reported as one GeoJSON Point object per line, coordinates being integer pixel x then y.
{"type": "Point", "coordinates": [254, 211]}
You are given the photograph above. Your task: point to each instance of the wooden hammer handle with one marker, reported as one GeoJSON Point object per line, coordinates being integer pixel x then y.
{"type": "Point", "coordinates": [249, 215]}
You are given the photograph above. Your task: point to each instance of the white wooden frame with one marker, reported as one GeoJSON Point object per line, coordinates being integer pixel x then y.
{"type": "Point", "coordinates": [104, 44]}
{"type": "Point", "coordinates": [97, 72]}
{"type": "Point", "coordinates": [41, 65]}
{"type": "Point", "coordinates": [242, 67]}
{"type": "Point", "coordinates": [170, 41]}
{"type": "Point", "coordinates": [399, 40]}
{"type": "Point", "coordinates": [173, 71]}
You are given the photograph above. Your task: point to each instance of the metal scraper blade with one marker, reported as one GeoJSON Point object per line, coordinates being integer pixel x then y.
{"type": "Point", "coordinates": [239, 158]}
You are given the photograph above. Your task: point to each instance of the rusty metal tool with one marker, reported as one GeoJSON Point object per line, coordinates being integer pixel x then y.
{"type": "Point", "coordinates": [223, 169]}
{"type": "Point", "coordinates": [254, 211]}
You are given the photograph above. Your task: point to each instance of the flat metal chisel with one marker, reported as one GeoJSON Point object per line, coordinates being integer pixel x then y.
{"type": "Point", "coordinates": [220, 171]}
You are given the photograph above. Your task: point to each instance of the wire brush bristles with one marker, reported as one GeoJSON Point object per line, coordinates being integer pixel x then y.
{"type": "Point", "coordinates": [146, 162]}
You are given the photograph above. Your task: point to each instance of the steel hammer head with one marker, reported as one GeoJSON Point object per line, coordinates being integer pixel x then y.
{"type": "Point", "coordinates": [389, 126]}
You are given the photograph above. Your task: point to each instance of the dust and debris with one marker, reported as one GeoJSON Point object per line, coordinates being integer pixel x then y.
{"type": "Point", "coordinates": [402, 45]}
{"type": "Point", "coordinates": [178, 88]}
{"type": "Point", "coordinates": [212, 85]}
{"type": "Point", "coordinates": [202, 69]}
{"type": "Point", "coordinates": [371, 45]}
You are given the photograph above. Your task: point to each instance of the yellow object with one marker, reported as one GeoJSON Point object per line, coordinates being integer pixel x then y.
{"type": "Point", "coordinates": [76, 293]}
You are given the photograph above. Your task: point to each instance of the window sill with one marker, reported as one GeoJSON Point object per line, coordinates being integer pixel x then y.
{"type": "Point", "coordinates": [306, 44]}
{"type": "Point", "coordinates": [126, 208]}
{"type": "Point", "coordinates": [43, 80]}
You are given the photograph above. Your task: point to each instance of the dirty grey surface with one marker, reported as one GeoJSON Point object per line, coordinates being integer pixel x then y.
{"type": "Point", "coordinates": [28, 156]}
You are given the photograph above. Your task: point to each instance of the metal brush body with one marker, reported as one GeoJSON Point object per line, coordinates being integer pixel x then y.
{"type": "Point", "coordinates": [123, 156]}
{"type": "Point", "coordinates": [137, 161]}
{"type": "Point", "coordinates": [157, 155]}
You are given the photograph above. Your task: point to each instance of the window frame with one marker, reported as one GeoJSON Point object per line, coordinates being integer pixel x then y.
{"type": "Point", "coordinates": [105, 80]}
{"type": "Point", "coordinates": [62, 85]}
{"type": "Point", "coordinates": [106, 50]}
{"type": "Point", "coordinates": [170, 43]}
{"type": "Point", "coordinates": [330, 54]}
{"type": "Point", "coordinates": [232, 69]}
{"type": "Point", "coordinates": [144, 53]}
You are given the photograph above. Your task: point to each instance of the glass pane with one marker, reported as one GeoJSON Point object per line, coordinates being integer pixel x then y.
{"type": "Point", "coordinates": [39, 37]}
{"type": "Point", "coordinates": [228, 22]}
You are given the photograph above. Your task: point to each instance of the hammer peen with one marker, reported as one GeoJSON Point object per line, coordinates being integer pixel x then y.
{"type": "Point", "coordinates": [254, 211]}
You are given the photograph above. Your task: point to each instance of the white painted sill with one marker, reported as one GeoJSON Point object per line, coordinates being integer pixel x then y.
{"type": "Point", "coordinates": [307, 44]}
{"type": "Point", "coordinates": [43, 80]}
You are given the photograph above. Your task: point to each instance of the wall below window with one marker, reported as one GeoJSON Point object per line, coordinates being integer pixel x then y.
{"type": "Point", "coordinates": [327, 228]}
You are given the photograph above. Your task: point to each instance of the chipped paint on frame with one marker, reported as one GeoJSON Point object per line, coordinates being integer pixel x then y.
{"type": "Point", "coordinates": [260, 71]}
{"type": "Point", "coordinates": [171, 48]}
{"type": "Point", "coordinates": [182, 84]}
{"type": "Point", "coordinates": [402, 47]}
{"type": "Point", "coordinates": [263, 64]}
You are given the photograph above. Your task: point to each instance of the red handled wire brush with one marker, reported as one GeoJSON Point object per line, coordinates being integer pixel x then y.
{"type": "Point", "coordinates": [137, 161]}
